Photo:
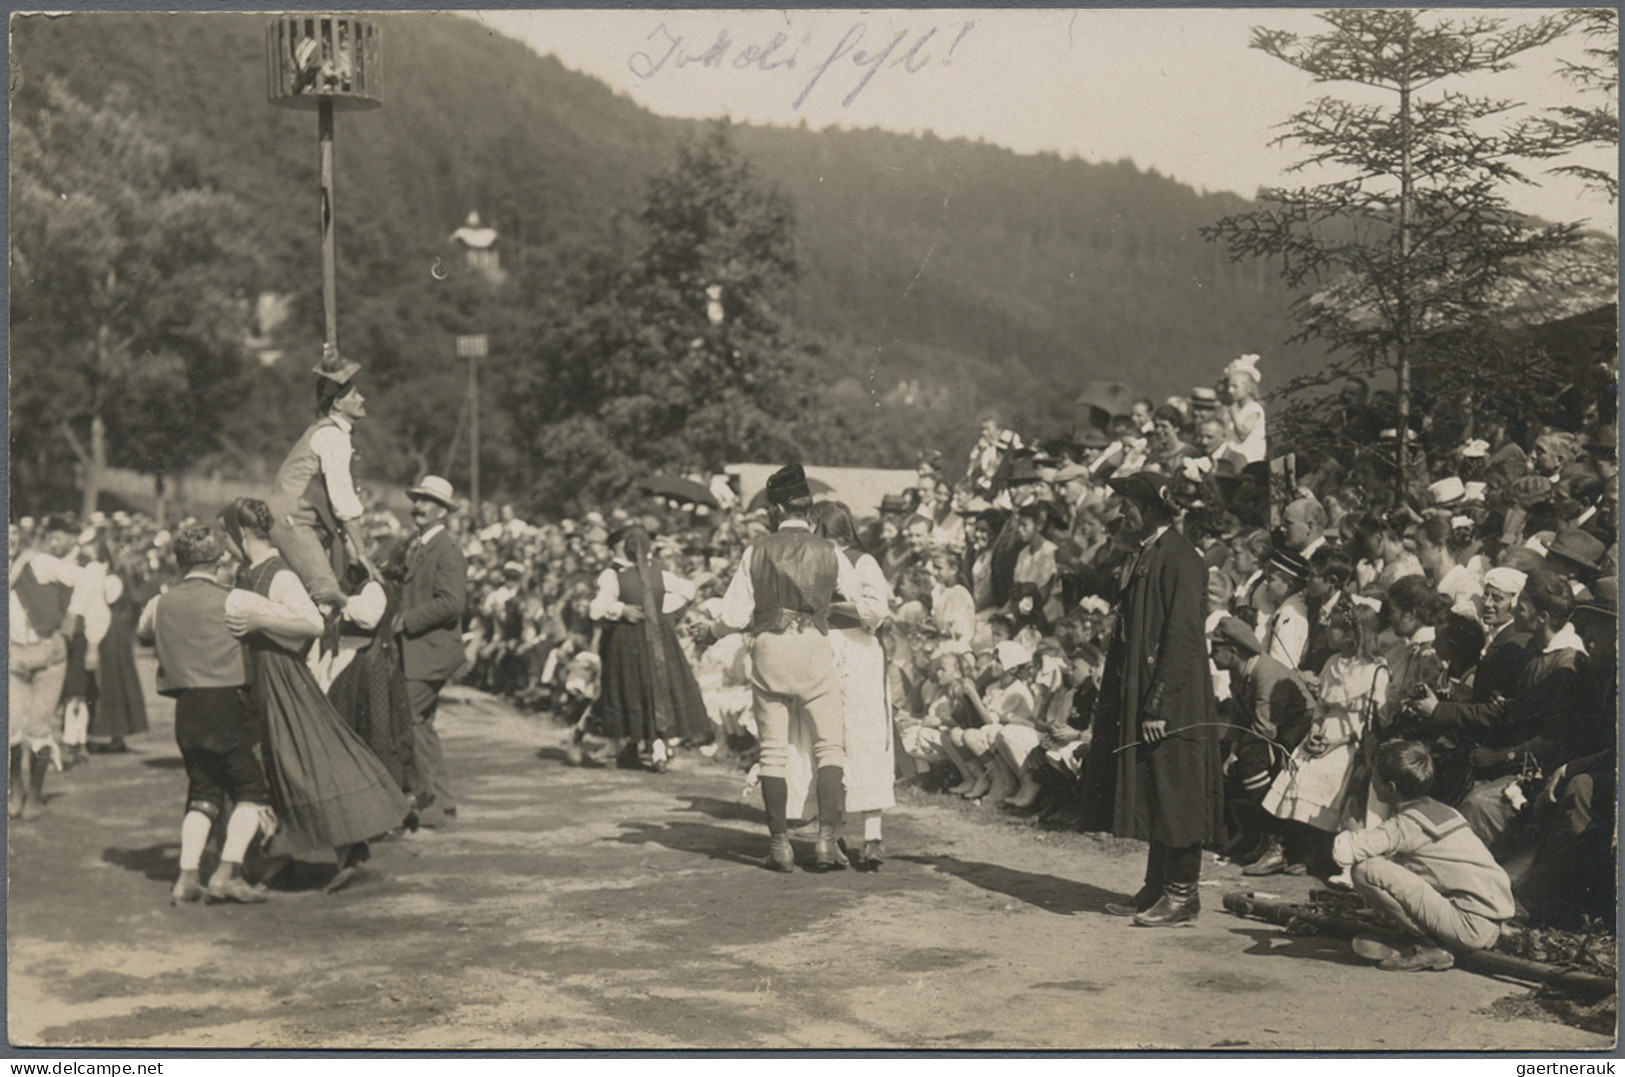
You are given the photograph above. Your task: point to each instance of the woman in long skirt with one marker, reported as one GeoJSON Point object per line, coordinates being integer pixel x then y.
{"type": "Point", "coordinates": [120, 709]}
{"type": "Point", "coordinates": [329, 790]}
{"type": "Point", "coordinates": [649, 694]}
{"type": "Point", "coordinates": [369, 691]}
{"type": "Point", "coordinates": [860, 670]}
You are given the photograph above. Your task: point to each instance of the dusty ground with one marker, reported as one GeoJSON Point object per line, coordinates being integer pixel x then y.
{"type": "Point", "coordinates": [605, 909]}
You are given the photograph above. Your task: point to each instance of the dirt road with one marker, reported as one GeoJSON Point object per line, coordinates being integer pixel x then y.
{"type": "Point", "coordinates": [606, 909]}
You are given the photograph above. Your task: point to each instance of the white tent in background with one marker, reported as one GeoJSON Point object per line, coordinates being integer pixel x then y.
{"type": "Point", "coordinates": [860, 487]}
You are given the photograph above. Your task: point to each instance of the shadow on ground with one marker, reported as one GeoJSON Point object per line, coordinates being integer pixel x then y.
{"type": "Point", "coordinates": [1273, 942]}
{"type": "Point", "coordinates": [156, 862]}
{"type": "Point", "coordinates": [717, 808]}
{"type": "Point", "coordinates": [712, 842]}
{"type": "Point", "coordinates": [1048, 892]}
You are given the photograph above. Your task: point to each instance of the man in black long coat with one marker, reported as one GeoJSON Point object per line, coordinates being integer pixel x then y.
{"type": "Point", "coordinates": [1154, 771]}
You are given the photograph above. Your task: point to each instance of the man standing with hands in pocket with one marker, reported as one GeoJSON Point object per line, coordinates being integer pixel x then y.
{"type": "Point", "coordinates": [430, 626]}
{"type": "Point", "coordinates": [1155, 771]}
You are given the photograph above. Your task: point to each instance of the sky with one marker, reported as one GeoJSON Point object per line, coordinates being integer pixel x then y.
{"type": "Point", "coordinates": [1178, 90]}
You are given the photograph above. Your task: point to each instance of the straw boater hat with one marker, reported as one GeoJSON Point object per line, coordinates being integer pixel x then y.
{"type": "Point", "coordinates": [1447, 491]}
{"type": "Point", "coordinates": [436, 489]}
{"type": "Point", "coordinates": [1204, 399]}
{"type": "Point", "coordinates": [334, 367]}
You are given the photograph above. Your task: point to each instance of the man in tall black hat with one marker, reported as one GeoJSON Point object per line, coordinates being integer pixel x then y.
{"type": "Point", "coordinates": [1155, 772]}
{"type": "Point", "coordinates": [782, 594]}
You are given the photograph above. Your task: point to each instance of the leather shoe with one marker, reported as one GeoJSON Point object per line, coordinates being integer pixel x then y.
{"type": "Point", "coordinates": [1178, 905]}
{"type": "Point", "coordinates": [1143, 899]}
{"type": "Point", "coordinates": [1420, 957]}
{"type": "Point", "coordinates": [874, 854]}
{"type": "Point", "coordinates": [188, 889]}
{"type": "Point", "coordinates": [1271, 862]}
{"type": "Point", "coordinates": [233, 889]}
{"type": "Point", "coordinates": [1374, 947]}
{"type": "Point", "coordinates": [780, 856]}
{"type": "Point", "coordinates": [829, 851]}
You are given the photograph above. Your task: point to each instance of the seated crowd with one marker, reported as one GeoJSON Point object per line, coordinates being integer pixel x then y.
{"type": "Point", "coordinates": [1475, 616]}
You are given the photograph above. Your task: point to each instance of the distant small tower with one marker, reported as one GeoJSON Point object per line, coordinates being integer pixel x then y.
{"type": "Point", "coordinates": [479, 246]}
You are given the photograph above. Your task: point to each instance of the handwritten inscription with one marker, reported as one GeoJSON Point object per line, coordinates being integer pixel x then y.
{"type": "Point", "coordinates": [851, 64]}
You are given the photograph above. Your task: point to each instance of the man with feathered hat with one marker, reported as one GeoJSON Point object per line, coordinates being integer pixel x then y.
{"type": "Point", "coordinates": [315, 507]}
{"type": "Point", "coordinates": [781, 594]}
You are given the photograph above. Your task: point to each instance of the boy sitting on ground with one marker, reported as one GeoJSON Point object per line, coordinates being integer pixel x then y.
{"type": "Point", "coordinates": [1424, 869]}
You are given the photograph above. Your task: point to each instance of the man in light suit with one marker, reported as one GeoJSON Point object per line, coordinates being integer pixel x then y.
{"type": "Point", "coordinates": [430, 627]}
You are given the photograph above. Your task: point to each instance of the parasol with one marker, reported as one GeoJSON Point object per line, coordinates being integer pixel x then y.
{"type": "Point", "coordinates": [678, 490]}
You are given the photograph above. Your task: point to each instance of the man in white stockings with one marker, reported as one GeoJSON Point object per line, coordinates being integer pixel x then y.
{"type": "Point", "coordinates": [782, 594]}
{"type": "Point", "coordinates": [196, 627]}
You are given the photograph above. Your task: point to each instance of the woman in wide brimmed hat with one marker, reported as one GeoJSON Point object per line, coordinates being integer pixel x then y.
{"type": "Point", "coordinates": [315, 509]}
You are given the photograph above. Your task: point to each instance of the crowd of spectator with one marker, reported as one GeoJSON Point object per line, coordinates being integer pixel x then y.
{"type": "Point", "coordinates": [1474, 610]}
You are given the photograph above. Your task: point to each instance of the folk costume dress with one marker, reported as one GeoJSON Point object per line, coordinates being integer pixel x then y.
{"type": "Point", "coordinates": [648, 688]}
{"type": "Point", "coordinates": [860, 675]}
{"type": "Point", "coordinates": [369, 693]}
{"type": "Point", "coordinates": [326, 785]}
{"type": "Point", "coordinates": [120, 709]}
{"type": "Point", "coordinates": [860, 670]}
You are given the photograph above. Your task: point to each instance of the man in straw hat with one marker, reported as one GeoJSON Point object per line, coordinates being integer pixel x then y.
{"type": "Point", "coordinates": [315, 509]}
{"type": "Point", "coordinates": [782, 593]}
{"type": "Point", "coordinates": [1154, 771]}
{"type": "Point", "coordinates": [430, 627]}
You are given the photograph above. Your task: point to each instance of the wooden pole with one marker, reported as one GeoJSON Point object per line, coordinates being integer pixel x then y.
{"type": "Point", "coordinates": [330, 295]}
{"type": "Point", "coordinates": [474, 434]}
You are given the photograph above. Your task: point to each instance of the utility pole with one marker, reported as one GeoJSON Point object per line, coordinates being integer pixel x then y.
{"type": "Point", "coordinates": [473, 348]}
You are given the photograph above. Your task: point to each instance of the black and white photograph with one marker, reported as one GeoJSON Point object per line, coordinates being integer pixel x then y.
{"type": "Point", "coordinates": [881, 530]}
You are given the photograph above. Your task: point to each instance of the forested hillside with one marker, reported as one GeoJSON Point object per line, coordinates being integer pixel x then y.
{"type": "Point", "coordinates": [983, 275]}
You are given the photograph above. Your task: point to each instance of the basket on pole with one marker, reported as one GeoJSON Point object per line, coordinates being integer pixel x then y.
{"type": "Point", "coordinates": [336, 60]}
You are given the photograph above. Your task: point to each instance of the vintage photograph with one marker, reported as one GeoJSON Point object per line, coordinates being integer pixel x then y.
{"type": "Point", "coordinates": [966, 530]}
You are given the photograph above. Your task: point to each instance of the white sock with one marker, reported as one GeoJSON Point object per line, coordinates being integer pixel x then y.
{"type": "Point", "coordinates": [240, 830]}
{"type": "Point", "coordinates": [76, 724]}
{"type": "Point", "coordinates": [871, 825]}
{"type": "Point", "coordinates": [195, 829]}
